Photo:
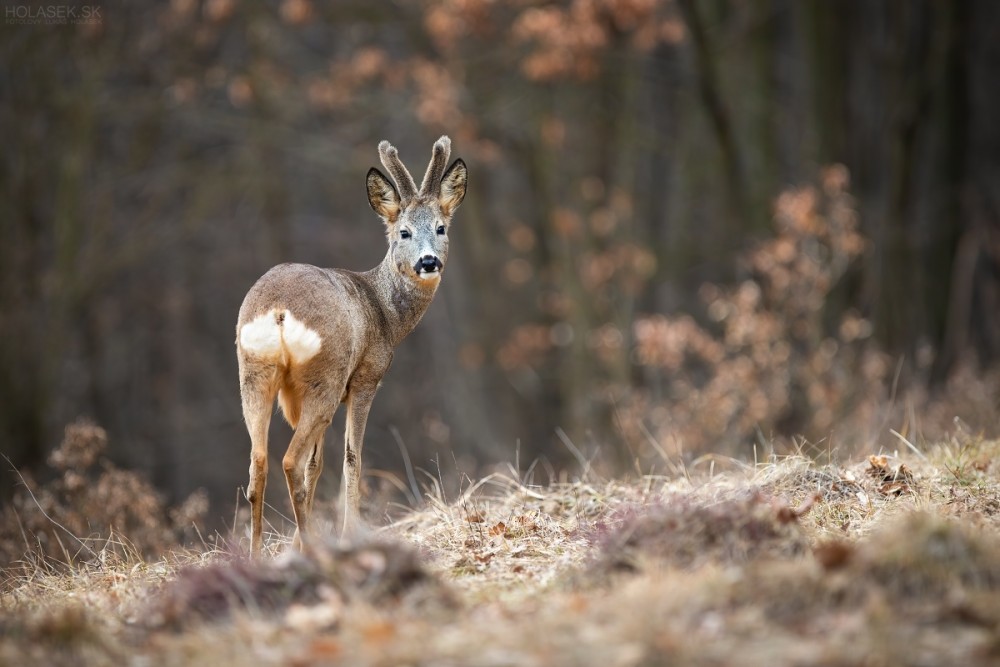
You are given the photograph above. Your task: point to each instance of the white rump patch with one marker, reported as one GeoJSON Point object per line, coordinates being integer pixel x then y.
{"type": "Point", "coordinates": [262, 337]}
{"type": "Point", "coordinates": [301, 342]}
{"type": "Point", "coordinates": [277, 332]}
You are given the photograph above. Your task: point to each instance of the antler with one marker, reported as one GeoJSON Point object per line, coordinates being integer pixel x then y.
{"type": "Point", "coordinates": [439, 158]}
{"type": "Point", "coordinates": [398, 171]}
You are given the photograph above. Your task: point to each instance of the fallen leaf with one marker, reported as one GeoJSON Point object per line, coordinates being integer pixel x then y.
{"type": "Point", "coordinates": [378, 632]}
{"type": "Point", "coordinates": [499, 529]}
{"type": "Point", "coordinates": [527, 523]}
{"type": "Point", "coordinates": [324, 648]}
{"type": "Point", "coordinates": [894, 488]}
{"type": "Point", "coordinates": [310, 618]}
{"type": "Point", "coordinates": [833, 554]}
{"type": "Point", "coordinates": [879, 464]}
{"type": "Point", "coordinates": [786, 514]}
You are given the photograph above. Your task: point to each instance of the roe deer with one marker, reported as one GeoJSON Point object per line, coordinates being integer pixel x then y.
{"type": "Point", "coordinates": [316, 338]}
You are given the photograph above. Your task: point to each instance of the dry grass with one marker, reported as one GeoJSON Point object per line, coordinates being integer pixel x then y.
{"type": "Point", "coordinates": [91, 512]}
{"type": "Point", "coordinates": [894, 559]}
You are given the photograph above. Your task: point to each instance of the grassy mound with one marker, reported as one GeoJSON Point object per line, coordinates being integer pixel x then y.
{"type": "Point", "coordinates": [889, 559]}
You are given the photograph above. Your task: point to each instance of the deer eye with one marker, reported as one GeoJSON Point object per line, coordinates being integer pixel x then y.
{"type": "Point", "coordinates": [405, 234]}
{"type": "Point", "coordinates": [440, 230]}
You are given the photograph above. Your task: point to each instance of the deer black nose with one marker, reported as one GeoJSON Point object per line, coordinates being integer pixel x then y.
{"type": "Point", "coordinates": [428, 263]}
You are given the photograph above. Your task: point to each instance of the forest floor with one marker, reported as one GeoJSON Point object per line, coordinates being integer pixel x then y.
{"type": "Point", "coordinates": [888, 559]}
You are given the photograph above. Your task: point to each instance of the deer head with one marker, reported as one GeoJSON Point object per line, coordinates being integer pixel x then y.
{"type": "Point", "coordinates": [417, 221]}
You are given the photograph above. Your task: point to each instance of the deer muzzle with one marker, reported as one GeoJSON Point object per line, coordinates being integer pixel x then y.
{"type": "Point", "coordinates": [427, 266]}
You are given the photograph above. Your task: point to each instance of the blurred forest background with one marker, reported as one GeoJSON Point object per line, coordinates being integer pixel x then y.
{"type": "Point", "coordinates": [692, 225]}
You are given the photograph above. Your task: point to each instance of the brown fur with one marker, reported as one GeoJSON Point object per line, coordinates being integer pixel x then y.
{"type": "Point", "coordinates": [332, 338]}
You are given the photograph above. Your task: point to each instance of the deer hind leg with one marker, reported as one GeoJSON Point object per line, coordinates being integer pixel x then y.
{"type": "Point", "coordinates": [314, 467]}
{"type": "Point", "coordinates": [290, 398]}
{"type": "Point", "coordinates": [257, 390]}
{"type": "Point", "coordinates": [303, 461]}
{"type": "Point", "coordinates": [359, 402]}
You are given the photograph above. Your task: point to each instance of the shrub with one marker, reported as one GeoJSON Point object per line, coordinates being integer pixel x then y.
{"type": "Point", "coordinates": [91, 511]}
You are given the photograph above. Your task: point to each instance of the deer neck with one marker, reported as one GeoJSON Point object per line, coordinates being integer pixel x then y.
{"type": "Point", "coordinates": [403, 300]}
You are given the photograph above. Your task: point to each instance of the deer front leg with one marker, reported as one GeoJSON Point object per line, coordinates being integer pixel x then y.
{"type": "Point", "coordinates": [359, 402]}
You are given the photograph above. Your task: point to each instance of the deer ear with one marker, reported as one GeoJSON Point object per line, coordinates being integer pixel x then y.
{"type": "Point", "coordinates": [453, 186]}
{"type": "Point", "coordinates": [382, 196]}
